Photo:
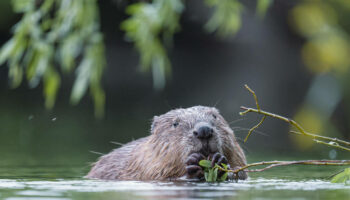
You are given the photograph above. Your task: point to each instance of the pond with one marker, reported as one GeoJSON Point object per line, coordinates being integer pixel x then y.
{"type": "Point", "coordinates": [52, 181]}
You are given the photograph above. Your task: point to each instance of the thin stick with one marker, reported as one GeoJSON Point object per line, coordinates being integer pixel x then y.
{"type": "Point", "coordinates": [254, 127]}
{"type": "Point", "coordinates": [331, 143]}
{"type": "Point", "coordinates": [258, 107]}
{"type": "Point", "coordinates": [254, 95]}
{"type": "Point", "coordinates": [296, 125]}
{"type": "Point", "coordinates": [272, 164]}
{"type": "Point", "coordinates": [299, 163]}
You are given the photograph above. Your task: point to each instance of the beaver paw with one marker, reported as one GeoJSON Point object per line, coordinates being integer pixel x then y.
{"type": "Point", "coordinates": [217, 158]}
{"type": "Point", "coordinates": [241, 175]}
{"type": "Point", "coordinates": [193, 169]}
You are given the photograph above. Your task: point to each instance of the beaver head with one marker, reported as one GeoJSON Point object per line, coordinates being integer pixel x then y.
{"type": "Point", "coordinates": [178, 140]}
{"type": "Point", "coordinates": [195, 129]}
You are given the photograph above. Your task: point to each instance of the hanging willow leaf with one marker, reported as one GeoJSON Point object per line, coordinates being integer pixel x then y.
{"type": "Point", "coordinates": [70, 48]}
{"type": "Point", "coordinates": [81, 82]}
{"type": "Point", "coordinates": [226, 18]}
{"type": "Point", "coordinates": [15, 75]}
{"type": "Point", "coordinates": [149, 25]}
{"type": "Point", "coordinates": [6, 50]}
{"type": "Point", "coordinates": [52, 83]}
{"type": "Point", "coordinates": [55, 32]}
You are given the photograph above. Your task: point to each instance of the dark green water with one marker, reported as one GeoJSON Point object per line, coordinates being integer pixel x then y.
{"type": "Point", "coordinates": [57, 181]}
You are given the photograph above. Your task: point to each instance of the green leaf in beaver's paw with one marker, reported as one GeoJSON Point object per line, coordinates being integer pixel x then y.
{"type": "Point", "coordinates": [205, 163]}
{"type": "Point", "coordinates": [206, 176]}
{"type": "Point", "coordinates": [224, 165]}
{"type": "Point", "coordinates": [343, 177]}
{"type": "Point", "coordinates": [215, 174]}
{"type": "Point", "coordinates": [211, 175]}
{"type": "Point", "coordinates": [224, 177]}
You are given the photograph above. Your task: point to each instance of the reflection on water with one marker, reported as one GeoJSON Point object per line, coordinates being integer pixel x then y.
{"type": "Point", "coordinates": [258, 187]}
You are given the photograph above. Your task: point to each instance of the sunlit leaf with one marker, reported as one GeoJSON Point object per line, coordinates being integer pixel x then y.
{"type": "Point", "coordinates": [205, 163]}
{"type": "Point", "coordinates": [224, 165]}
{"type": "Point", "coordinates": [99, 98]}
{"type": "Point", "coordinates": [211, 175]}
{"type": "Point", "coordinates": [224, 176]}
{"type": "Point", "coordinates": [31, 68]}
{"type": "Point", "coordinates": [81, 82]}
{"type": "Point", "coordinates": [70, 49]}
{"type": "Point", "coordinates": [15, 75]}
{"type": "Point", "coordinates": [206, 176]}
{"type": "Point", "coordinates": [226, 18]}
{"type": "Point", "coordinates": [23, 5]}
{"type": "Point", "coordinates": [52, 82]}
{"type": "Point", "coordinates": [343, 177]}
{"type": "Point", "coordinates": [46, 6]}
{"type": "Point", "coordinates": [6, 50]}
{"type": "Point", "coordinates": [215, 174]}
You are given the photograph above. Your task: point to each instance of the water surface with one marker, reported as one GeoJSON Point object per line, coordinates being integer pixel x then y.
{"type": "Point", "coordinates": [64, 182]}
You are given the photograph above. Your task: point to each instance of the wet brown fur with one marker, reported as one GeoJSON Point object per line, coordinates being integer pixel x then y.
{"type": "Point", "coordinates": [162, 155]}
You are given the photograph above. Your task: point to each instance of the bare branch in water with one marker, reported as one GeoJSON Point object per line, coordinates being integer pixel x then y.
{"type": "Point", "coordinates": [272, 164]}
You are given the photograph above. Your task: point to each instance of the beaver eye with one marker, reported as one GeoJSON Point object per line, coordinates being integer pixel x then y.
{"type": "Point", "coordinates": [175, 124]}
{"type": "Point", "coordinates": [214, 116]}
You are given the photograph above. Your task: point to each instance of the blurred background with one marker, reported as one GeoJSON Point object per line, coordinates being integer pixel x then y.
{"type": "Point", "coordinates": [296, 58]}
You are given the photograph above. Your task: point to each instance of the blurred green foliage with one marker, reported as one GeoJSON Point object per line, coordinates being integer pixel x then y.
{"type": "Point", "coordinates": [325, 26]}
{"type": "Point", "coordinates": [152, 25]}
{"type": "Point", "coordinates": [57, 37]}
{"type": "Point", "coordinates": [57, 32]}
{"type": "Point", "coordinates": [226, 17]}
{"type": "Point", "coordinates": [149, 22]}
{"type": "Point", "coordinates": [328, 42]}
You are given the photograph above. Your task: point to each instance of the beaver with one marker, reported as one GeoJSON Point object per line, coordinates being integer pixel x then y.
{"type": "Point", "coordinates": [179, 139]}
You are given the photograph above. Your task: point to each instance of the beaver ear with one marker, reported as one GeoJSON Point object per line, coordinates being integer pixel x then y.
{"type": "Point", "coordinates": [154, 123]}
{"type": "Point", "coordinates": [215, 110]}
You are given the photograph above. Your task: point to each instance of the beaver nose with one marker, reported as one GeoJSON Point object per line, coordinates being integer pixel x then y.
{"type": "Point", "coordinates": [203, 132]}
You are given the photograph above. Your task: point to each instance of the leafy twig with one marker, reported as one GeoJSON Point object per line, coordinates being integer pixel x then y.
{"type": "Point", "coordinates": [342, 177]}
{"type": "Point", "coordinates": [333, 142]}
{"type": "Point", "coordinates": [211, 173]}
